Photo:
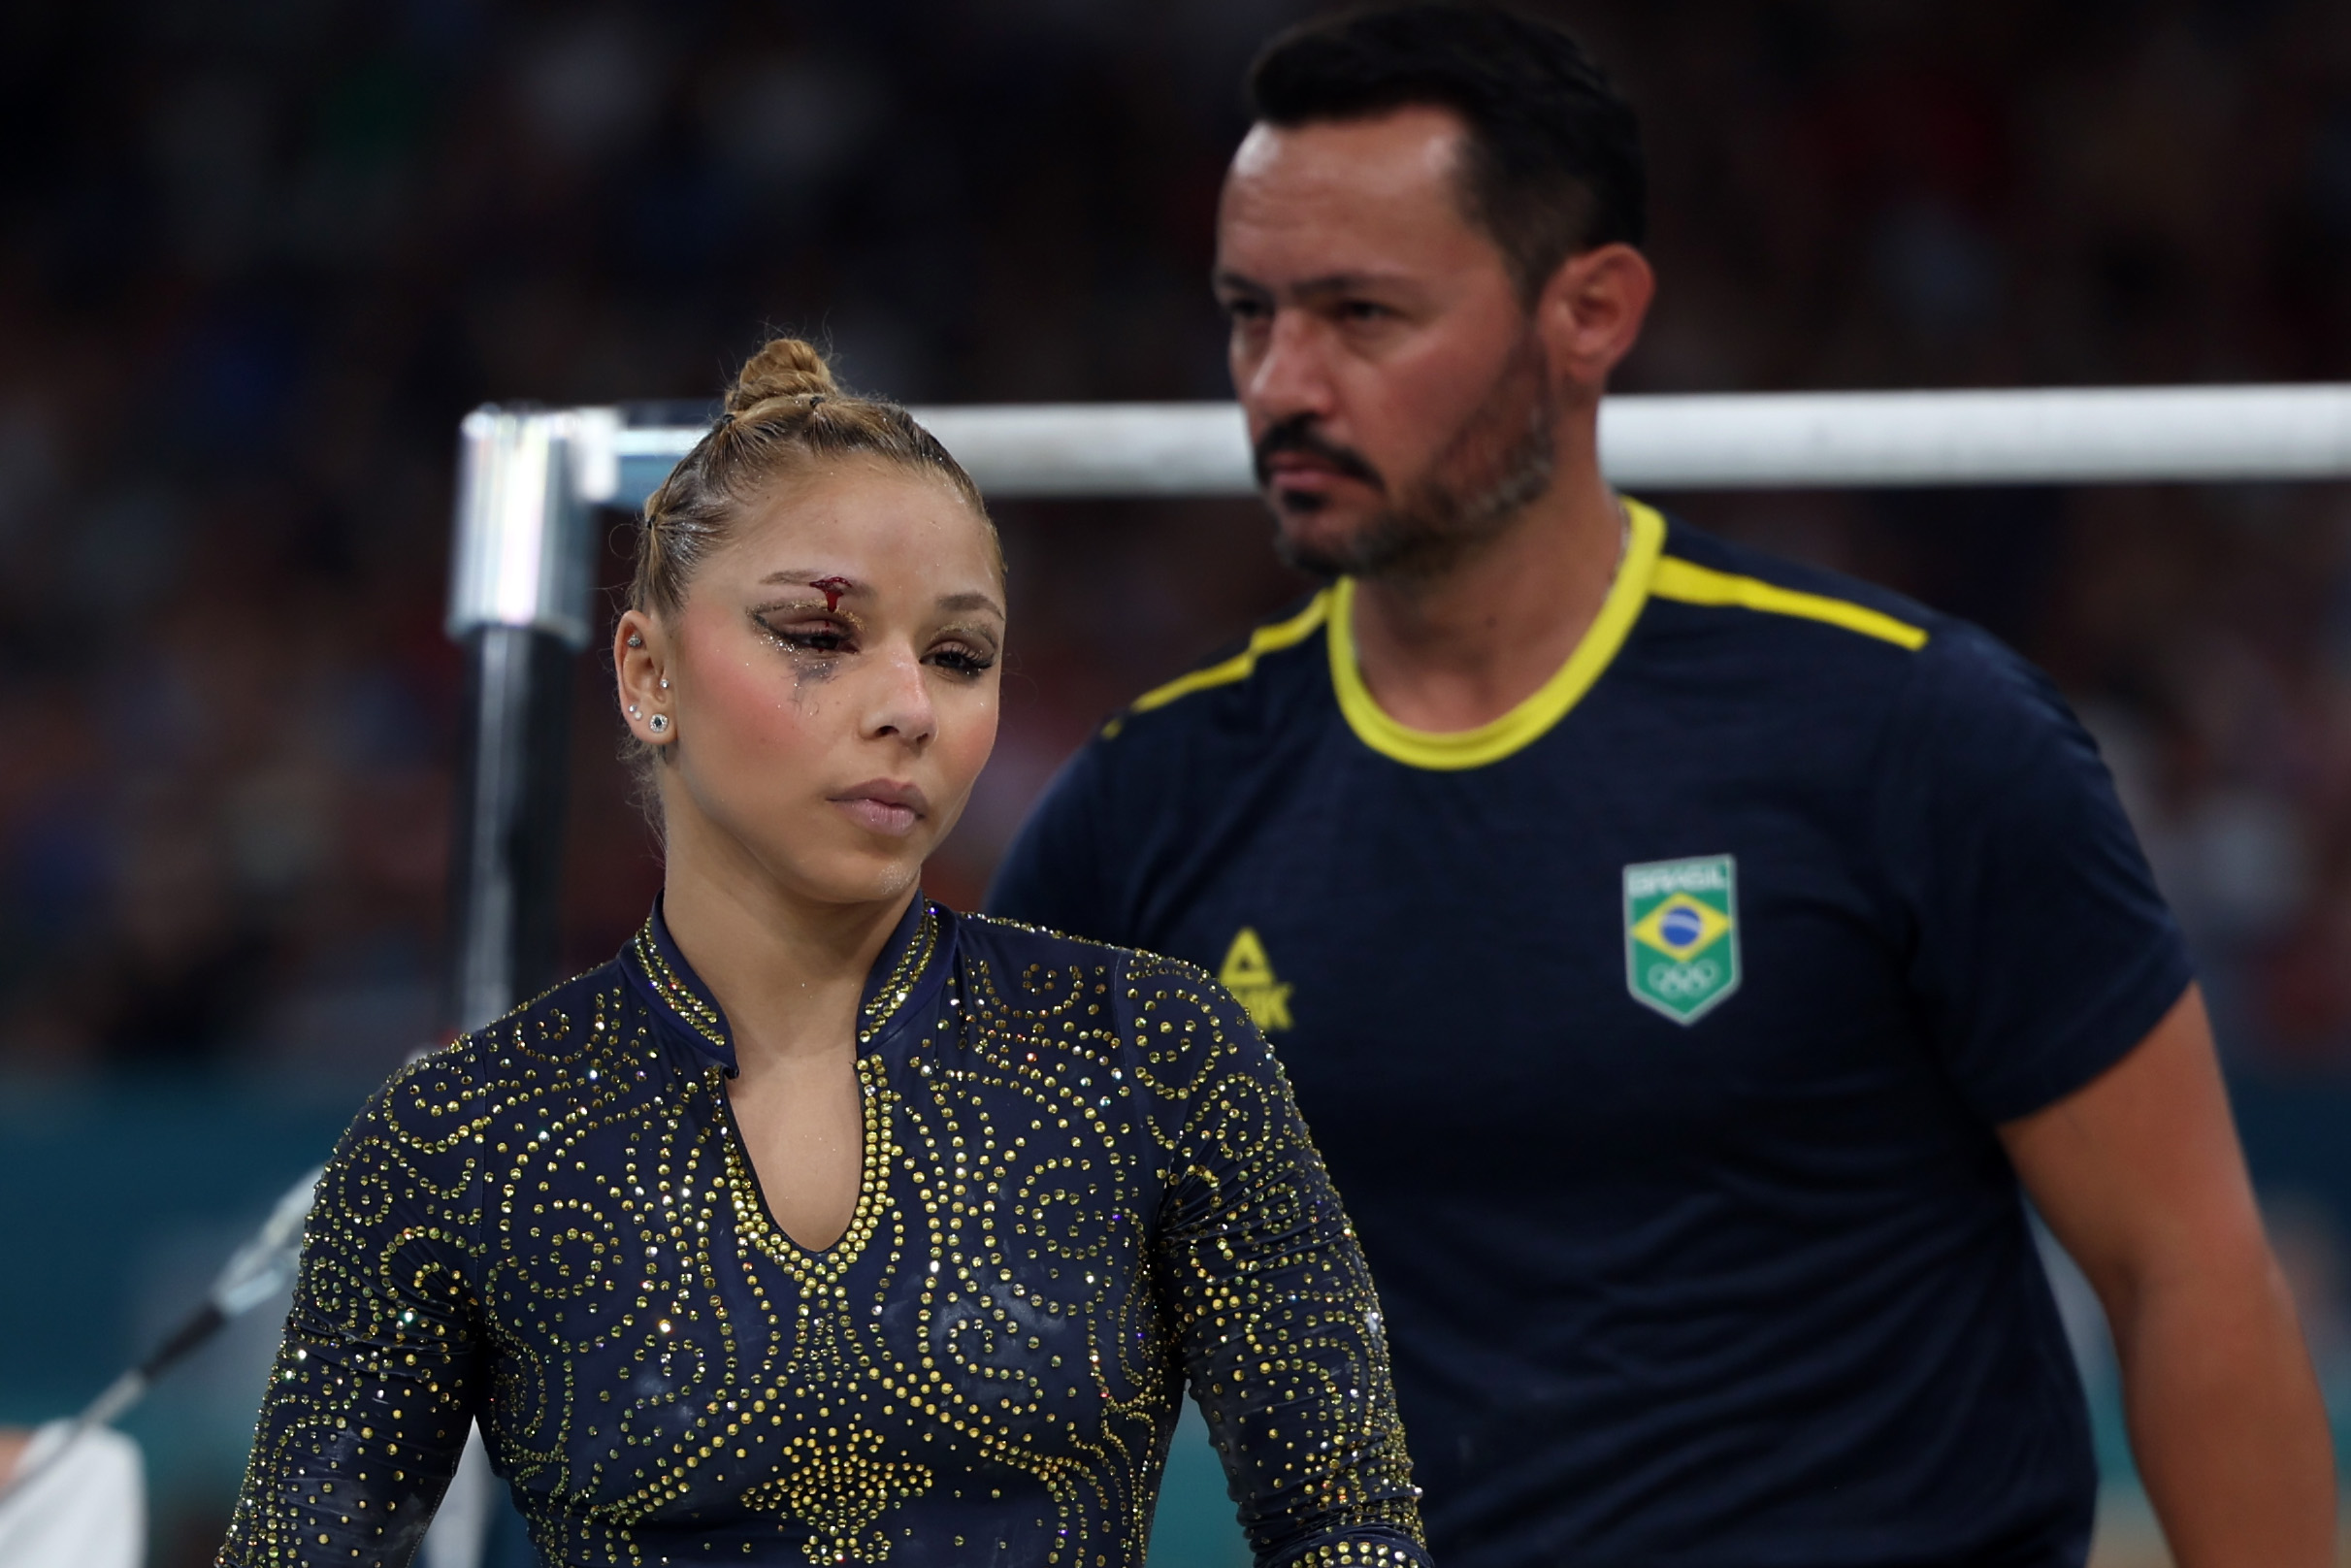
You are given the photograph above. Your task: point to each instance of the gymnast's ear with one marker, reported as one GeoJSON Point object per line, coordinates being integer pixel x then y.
{"type": "Point", "coordinates": [1590, 314]}
{"type": "Point", "coordinates": [640, 670]}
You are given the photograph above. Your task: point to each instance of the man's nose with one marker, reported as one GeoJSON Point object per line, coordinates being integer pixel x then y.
{"type": "Point", "coordinates": [1292, 376]}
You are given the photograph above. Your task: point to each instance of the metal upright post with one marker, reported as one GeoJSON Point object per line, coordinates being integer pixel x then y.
{"type": "Point", "coordinates": [520, 576]}
{"type": "Point", "coordinates": [519, 588]}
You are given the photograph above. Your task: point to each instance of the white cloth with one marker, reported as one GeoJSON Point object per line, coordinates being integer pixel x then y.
{"type": "Point", "coordinates": [461, 1525]}
{"type": "Point", "coordinates": [87, 1510]}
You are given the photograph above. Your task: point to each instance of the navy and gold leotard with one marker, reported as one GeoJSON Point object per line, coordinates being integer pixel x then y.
{"type": "Point", "coordinates": [1085, 1186]}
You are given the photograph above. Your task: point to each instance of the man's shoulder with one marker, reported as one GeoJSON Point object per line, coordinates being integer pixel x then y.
{"type": "Point", "coordinates": [1947, 707]}
{"type": "Point", "coordinates": [1765, 615]}
{"type": "Point", "coordinates": [1749, 595]}
{"type": "Point", "coordinates": [1818, 652]}
{"type": "Point", "coordinates": [1250, 686]}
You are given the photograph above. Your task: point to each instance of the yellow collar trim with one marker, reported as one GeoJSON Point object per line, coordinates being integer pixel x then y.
{"type": "Point", "coordinates": [1489, 743]}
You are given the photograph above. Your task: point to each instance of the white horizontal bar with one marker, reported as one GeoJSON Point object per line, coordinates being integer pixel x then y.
{"type": "Point", "coordinates": [1036, 449]}
{"type": "Point", "coordinates": [2071, 436]}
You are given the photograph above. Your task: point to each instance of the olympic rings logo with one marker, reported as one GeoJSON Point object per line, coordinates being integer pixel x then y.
{"type": "Point", "coordinates": [1683, 980]}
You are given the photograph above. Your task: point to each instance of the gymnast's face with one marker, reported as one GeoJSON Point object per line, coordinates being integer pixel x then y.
{"type": "Point", "coordinates": [833, 679]}
{"type": "Point", "coordinates": [1403, 396]}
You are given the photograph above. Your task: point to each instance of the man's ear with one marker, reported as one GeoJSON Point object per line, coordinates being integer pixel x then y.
{"type": "Point", "coordinates": [1590, 314]}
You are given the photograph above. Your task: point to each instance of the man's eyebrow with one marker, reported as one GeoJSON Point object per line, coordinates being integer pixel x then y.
{"type": "Point", "coordinates": [970, 601]}
{"type": "Point", "coordinates": [1340, 283]}
{"type": "Point", "coordinates": [1324, 286]}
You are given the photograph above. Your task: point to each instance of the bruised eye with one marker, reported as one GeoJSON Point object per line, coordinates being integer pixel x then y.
{"type": "Point", "coordinates": [809, 636]}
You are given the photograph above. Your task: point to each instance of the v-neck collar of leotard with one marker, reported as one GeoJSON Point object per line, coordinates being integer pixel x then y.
{"type": "Point", "coordinates": [904, 972]}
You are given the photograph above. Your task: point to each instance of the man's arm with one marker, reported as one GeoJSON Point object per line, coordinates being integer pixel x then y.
{"type": "Point", "coordinates": [2140, 1176]}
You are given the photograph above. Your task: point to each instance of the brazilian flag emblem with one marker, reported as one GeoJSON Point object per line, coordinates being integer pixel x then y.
{"type": "Point", "coordinates": [1681, 935]}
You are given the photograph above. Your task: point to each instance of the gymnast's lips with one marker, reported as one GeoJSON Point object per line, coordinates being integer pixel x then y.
{"type": "Point", "coordinates": [884, 806]}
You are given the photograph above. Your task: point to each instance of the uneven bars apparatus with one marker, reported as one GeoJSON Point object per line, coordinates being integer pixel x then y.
{"type": "Point", "coordinates": [531, 480]}
{"type": "Point", "coordinates": [524, 556]}
{"type": "Point", "coordinates": [523, 563]}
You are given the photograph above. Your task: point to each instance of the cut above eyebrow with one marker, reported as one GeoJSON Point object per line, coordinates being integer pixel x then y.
{"type": "Point", "coordinates": [813, 575]}
{"type": "Point", "coordinates": [969, 601]}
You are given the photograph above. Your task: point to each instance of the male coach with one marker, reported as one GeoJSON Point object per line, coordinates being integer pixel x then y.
{"type": "Point", "coordinates": [1689, 962]}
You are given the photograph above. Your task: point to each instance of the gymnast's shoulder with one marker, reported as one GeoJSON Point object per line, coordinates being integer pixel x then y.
{"type": "Point", "coordinates": [583, 1041]}
{"type": "Point", "coordinates": [1049, 967]}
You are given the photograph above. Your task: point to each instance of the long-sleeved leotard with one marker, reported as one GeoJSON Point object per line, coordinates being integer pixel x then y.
{"type": "Point", "coordinates": [1084, 1185]}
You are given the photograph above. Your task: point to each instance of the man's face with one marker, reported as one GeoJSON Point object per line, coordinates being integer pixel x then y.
{"type": "Point", "coordinates": [1397, 395]}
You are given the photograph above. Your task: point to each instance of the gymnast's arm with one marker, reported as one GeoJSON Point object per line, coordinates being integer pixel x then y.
{"type": "Point", "coordinates": [378, 1377]}
{"type": "Point", "coordinates": [1273, 1307]}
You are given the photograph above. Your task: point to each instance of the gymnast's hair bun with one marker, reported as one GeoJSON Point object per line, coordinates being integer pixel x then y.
{"type": "Point", "coordinates": [785, 415]}
{"type": "Point", "coordinates": [786, 368]}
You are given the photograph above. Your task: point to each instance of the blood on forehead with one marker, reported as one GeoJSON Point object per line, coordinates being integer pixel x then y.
{"type": "Point", "coordinates": [832, 588]}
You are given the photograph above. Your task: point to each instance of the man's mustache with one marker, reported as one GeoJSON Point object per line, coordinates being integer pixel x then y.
{"type": "Point", "coordinates": [1298, 434]}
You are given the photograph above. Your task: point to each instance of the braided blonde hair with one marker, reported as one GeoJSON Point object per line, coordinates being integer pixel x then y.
{"type": "Point", "coordinates": [784, 412]}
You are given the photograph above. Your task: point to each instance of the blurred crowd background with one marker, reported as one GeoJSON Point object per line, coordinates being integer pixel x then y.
{"type": "Point", "coordinates": [258, 256]}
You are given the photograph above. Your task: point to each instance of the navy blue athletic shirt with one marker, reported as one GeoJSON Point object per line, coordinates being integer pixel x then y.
{"type": "Point", "coordinates": [1656, 1033]}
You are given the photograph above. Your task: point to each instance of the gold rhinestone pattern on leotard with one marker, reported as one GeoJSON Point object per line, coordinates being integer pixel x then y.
{"type": "Point", "coordinates": [1085, 1187]}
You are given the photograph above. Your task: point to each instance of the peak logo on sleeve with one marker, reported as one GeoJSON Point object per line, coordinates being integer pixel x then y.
{"type": "Point", "coordinates": [1248, 973]}
{"type": "Point", "coordinates": [1681, 935]}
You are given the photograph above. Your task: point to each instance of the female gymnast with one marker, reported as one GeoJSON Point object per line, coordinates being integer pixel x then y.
{"type": "Point", "coordinates": [824, 1224]}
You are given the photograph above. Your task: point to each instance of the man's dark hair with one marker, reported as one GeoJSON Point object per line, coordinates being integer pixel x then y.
{"type": "Point", "coordinates": [1552, 159]}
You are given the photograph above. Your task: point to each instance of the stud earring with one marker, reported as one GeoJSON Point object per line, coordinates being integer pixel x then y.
{"type": "Point", "coordinates": [635, 641]}
{"type": "Point", "coordinates": [665, 683]}
{"type": "Point", "coordinates": [635, 711]}
{"type": "Point", "coordinates": [659, 723]}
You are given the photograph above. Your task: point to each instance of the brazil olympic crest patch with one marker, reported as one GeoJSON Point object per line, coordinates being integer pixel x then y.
{"type": "Point", "coordinates": [1681, 935]}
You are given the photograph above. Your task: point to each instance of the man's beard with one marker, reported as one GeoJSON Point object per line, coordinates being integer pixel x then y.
{"type": "Point", "coordinates": [1478, 485]}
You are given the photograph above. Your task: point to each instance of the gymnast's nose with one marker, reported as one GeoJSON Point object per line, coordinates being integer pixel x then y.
{"type": "Point", "coordinates": [900, 705]}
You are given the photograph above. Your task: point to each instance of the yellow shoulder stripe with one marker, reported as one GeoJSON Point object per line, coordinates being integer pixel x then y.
{"type": "Point", "coordinates": [1263, 640]}
{"type": "Point", "coordinates": [1693, 584]}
